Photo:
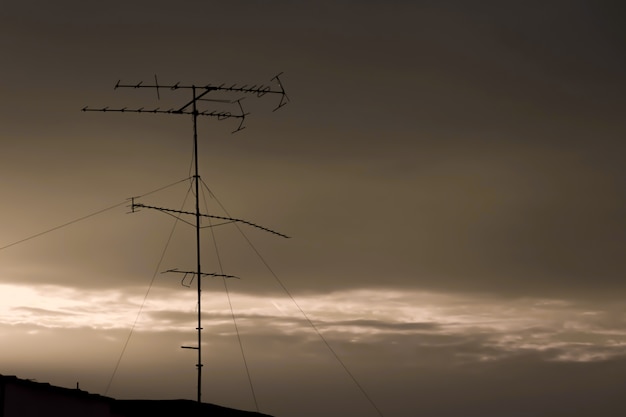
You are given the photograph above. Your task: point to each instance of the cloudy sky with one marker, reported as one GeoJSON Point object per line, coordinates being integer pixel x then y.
{"type": "Point", "coordinates": [450, 172]}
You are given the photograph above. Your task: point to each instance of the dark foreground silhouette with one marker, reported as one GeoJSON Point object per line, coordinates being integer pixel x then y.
{"type": "Point", "coordinates": [29, 398]}
{"type": "Point", "coordinates": [140, 408]}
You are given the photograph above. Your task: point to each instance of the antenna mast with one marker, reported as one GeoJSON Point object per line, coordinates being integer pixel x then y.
{"type": "Point", "coordinates": [192, 108]}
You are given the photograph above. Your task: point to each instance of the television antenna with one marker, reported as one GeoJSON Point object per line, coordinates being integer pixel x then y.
{"type": "Point", "coordinates": [195, 107]}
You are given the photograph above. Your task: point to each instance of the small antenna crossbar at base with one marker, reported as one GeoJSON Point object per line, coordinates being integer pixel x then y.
{"type": "Point", "coordinates": [202, 274]}
{"type": "Point", "coordinates": [195, 273]}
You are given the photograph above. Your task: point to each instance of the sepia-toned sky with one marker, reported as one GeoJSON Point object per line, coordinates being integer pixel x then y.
{"type": "Point", "coordinates": [451, 174]}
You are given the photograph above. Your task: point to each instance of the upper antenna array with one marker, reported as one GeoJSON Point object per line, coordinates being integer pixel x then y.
{"type": "Point", "coordinates": [198, 95]}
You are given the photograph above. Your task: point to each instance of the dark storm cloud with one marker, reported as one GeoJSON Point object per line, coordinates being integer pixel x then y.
{"type": "Point", "coordinates": [500, 173]}
{"type": "Point", "coordinates": [479, 151]}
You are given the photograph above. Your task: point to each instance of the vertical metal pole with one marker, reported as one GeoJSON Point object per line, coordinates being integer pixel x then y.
{"type": "Point", "coordinates": [199, 272]}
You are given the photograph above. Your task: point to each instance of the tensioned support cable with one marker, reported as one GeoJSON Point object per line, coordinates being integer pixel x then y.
{"type": "Point", "coordinates": [143, 303]}
{"type": "Point", "coordinates": [304, 314]}
{"type": "Point", "coordinates": [85, 217]}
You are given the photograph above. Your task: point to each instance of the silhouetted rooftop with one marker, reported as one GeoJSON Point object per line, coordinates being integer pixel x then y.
{"type": "Point", "coordinates": [140, 408]}
{"type": "Point", "coordinates": [134, 408]}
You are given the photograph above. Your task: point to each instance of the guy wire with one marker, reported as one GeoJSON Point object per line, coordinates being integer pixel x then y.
{"type": "Point", "coordinates": [232, 311]}
{"type": "Point", "coordinates": [143, 303]}
{"type": "Point", "coordinates": [85, 217]}
{"type": "Point", "coordinates": [306, 317]}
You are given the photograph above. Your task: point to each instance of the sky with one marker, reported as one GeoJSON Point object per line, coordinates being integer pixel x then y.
{"type": "Point", "coordinates": [450, 175]}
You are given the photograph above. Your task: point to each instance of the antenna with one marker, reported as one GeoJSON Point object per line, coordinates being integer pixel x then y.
{"type": "Point", "coordinates": [195, 108]}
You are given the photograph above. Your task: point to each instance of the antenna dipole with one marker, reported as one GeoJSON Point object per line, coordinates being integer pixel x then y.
{"type": "Point", "coordinates": [198, 93]}
{"type": "Point", "coordinates": [258, 90]}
